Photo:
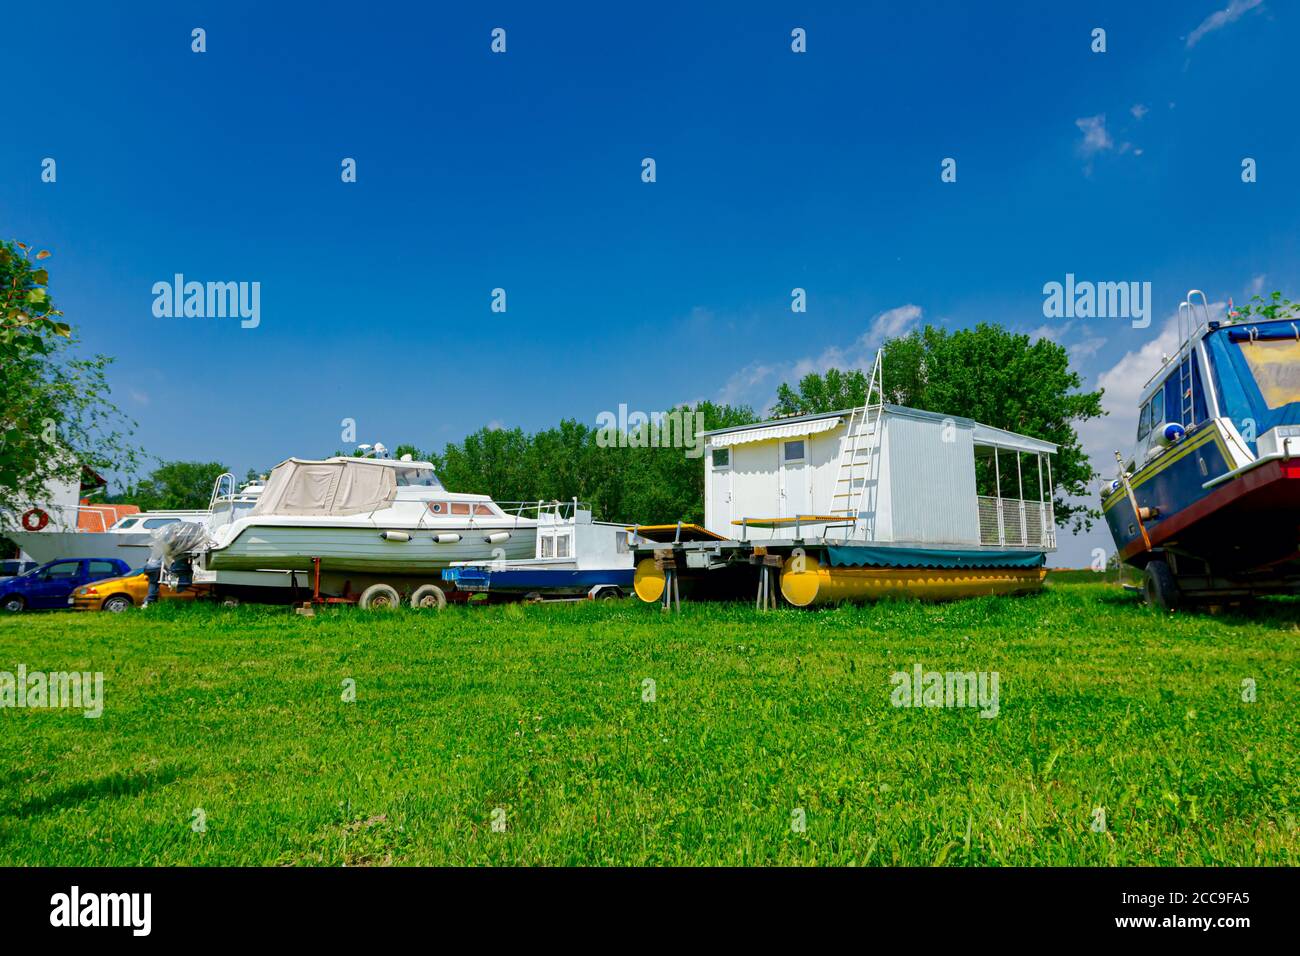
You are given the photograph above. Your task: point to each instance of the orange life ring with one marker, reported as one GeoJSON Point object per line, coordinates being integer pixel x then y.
{"type": "Point", "coordinates": [35, 519]}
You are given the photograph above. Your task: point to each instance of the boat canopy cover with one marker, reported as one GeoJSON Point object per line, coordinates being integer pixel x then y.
{"type": "Point", "coordinates": [347, 487]}
{"type": "Point", "coordinates": [1257, 377]}
{"type": "Point", "coordinates": [857, 556]}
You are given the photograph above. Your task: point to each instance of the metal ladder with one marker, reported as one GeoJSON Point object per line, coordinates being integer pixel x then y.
{"type": "Point", "coordinates": [858, 457]}
{"type": "Point", "coordinates": [1188, 326]}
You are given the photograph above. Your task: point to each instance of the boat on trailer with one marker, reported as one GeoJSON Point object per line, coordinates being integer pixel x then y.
{"type": "Point", "coordinates": [372, 531]}
{"type": "Point", "coordinates": [1207, 504]}
{"type": "Point", "coordinates": [858, 504]}
{"type": "Point", "coordinates": [575, 557]}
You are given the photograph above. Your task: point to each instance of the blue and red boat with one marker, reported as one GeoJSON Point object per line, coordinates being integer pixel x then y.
{"type": "Point", "coordinates": [1208, 504]}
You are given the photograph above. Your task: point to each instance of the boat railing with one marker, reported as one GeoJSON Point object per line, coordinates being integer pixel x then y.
{"type": "Point", "coordinates": [556, 510]}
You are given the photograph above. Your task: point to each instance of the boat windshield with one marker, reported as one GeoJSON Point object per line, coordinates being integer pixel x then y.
{"type": "Point", "coordinates": [417, 478]}
{"type": "Point", "coordinates": [1257, 376]}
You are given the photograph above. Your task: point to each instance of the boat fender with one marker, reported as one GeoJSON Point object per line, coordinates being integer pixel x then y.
{"type": "Point", "coordinates": [446, 538]}
{"type": "Point", "coordinates": [395, 536]}
{"type": "Point", "coordinates": [1146, 514]}
{"type": "Point", "coordinates": [496, 537]}
{"type": "Point", "coordinates": [1170, 433]}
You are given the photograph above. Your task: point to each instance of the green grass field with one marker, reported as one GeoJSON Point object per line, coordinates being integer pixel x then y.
{"type": "Point", "coordinates": [535, 714]}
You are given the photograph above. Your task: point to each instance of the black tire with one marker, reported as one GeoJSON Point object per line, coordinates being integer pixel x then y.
{"type": "Point", "coordinates": [13, 603]}
{"type": "Point", "coordinates": [609, 594]}
{"type": "Point", "coordinates": [380, 597]}
{"type": "Point", "coordinates": [429, 596]}
{"type": "Point", "coordinates": [118, 603]}
{"type": "Point", "coordinates": [1160, 589]}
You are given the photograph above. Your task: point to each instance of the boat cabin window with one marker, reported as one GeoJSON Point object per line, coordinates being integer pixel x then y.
{"type": "Point", "coordinates": [722, 458]}
{"type": "Point", "coordinates": [438, 507]}
{"type": "Point", "coordinates": [1144, 421]}
{"type": "Point", "coordinates": [792, 451]}
{"type": "Point", "coordinates": [160, 522]}
{"type": "Point", "coordinates": [460, 507]}
{"type": "Point", "coordinates": [1158, 408]}
{"type": "Point", "coordinates": [484, 511]}
{"type": "Point", "coordinates": [416, 478]}
{"type": "Point", "coordinates": [126, 523]}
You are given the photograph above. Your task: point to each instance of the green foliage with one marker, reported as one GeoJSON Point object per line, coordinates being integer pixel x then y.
{"type": "Point", "coordinates": [539, 710]}
{"type": "Point", "coordinates": [55, 416]}
{"type": "Point", "coordinates": [831, 392]}
{"type": "Point", "coordinates": [621, 482]}
{"type": "Point", "coordinates": [992, 375]}
{"type": "Point", "coordinates": [174, 486]}
{"type": "Point", "coordinates": [1276, 306]}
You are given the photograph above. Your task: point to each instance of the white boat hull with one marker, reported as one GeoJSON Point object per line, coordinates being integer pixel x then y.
{"type": "Point", "coordinates": [285, 547]}
{"type": "Point", "coordinates": [46, 546]}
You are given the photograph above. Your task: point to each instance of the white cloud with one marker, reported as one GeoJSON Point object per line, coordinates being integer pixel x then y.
{"type": "Point", "coordinates": [1095, 137]}
{"type": "Point", "coordinates": [141, 398]}
{"type": "Point", "coordinates": [1257, 284]}
{"type": "Point", "coordinates": [1221, 18]}
{"type": "Point", "coordinates": [495, 425]}
{"type": "Point", "coordinates": [755, 384]}
{"type": "Point", "coordinates": [1139, 110]}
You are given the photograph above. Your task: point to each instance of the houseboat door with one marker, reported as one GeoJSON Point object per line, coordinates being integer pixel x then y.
{"type": "Point", "coordinates": [720, 492]}
{"type": "Point", "coordinates": [794, 478]}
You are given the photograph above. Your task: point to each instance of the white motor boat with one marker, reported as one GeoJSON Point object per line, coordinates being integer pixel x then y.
{"type": "Point", "coordinates": [85, 532]}
{"type": "Point", "coordinates": [365, 515]}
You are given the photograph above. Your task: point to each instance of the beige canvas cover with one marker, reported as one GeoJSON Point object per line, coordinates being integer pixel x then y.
{"type": "Point", "coordinates": [352, 487]}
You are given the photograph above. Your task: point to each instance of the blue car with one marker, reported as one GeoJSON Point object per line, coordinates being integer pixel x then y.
{"type": "Point", "coordinates": [48, 586]}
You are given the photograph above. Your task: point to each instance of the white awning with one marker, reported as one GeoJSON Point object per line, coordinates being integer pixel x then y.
{"type": "Point", "coordinates": [773, 432]}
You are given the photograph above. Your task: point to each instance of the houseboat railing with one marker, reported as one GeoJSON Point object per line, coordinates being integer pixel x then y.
{"type": "Point", "coordinates": [1016, 523]}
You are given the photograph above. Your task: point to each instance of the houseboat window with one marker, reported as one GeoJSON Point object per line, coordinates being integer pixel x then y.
{"type": "Point", "coordinates": [416, 478]}
{"type": "Point", "coordinates": [484, 511]}
{"type": "Point", "coordinates": [722, 458]}
{"type": "Point", "coordinates": [438, 507]}
{"type": "Point", "coordinates": [561, 545]}
{"type": "Point", "coordinates": [793, 451]}
{"type": "Point", "coordinates": [548, 546]}
{"type": "Point", "coordinates": [460, 507]}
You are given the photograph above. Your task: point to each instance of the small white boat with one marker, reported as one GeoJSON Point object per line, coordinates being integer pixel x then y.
{"type": "Point", "coordinates": [365, 515]}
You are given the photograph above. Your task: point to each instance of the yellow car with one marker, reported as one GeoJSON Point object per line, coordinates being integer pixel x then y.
{"type": "Point", "coordinates": [118, 594]}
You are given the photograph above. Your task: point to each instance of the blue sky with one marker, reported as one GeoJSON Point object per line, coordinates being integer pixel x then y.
{"type": "Point", "coordinates": [522, 171]}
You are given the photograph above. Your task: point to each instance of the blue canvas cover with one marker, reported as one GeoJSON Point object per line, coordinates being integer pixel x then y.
{"type": "Point", "coordinates": [858, 556]}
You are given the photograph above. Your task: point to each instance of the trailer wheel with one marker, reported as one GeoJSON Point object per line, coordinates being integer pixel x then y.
{"type": "Point", "coordinates": [609, 594]}
{"type": "Point", "coordinates": [230, 600]}
{"type": "Point", "coordinates": [379, 597]}
{"type": "Point", "coordinates": [429, 595]}
{"type": "Point", "coordinates": [1160, 589]}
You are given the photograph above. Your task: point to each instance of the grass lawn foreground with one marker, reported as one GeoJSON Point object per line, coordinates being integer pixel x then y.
{"type": "Point", "coordinates": [616, 734]}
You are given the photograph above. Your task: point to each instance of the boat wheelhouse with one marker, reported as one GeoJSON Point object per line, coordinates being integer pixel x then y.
{"type": "Point", "coordinates": [1208, 501]}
